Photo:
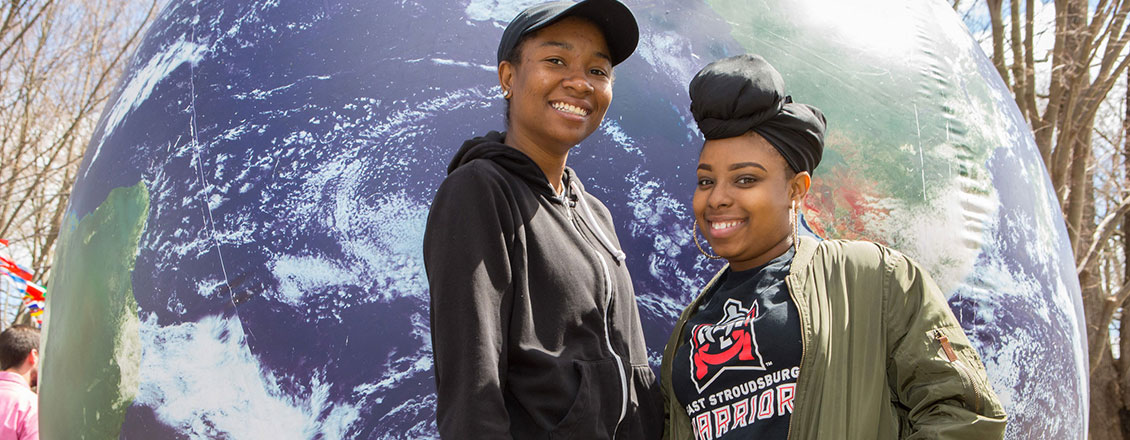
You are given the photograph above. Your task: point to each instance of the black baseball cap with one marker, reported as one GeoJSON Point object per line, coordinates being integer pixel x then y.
{"type": "Point", "coordinates": [613, 18]}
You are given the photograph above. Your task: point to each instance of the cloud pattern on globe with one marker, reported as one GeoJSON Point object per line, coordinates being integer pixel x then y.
{"type": "Point", "coordinates": [269, 167]}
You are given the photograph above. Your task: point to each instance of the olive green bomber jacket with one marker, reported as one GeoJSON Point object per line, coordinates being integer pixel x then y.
{"type": "Point", "coordinates": [878, 339]}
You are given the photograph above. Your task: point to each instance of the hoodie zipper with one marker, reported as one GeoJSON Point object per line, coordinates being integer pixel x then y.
{"type": "Point", "coordinates": [591, 222]}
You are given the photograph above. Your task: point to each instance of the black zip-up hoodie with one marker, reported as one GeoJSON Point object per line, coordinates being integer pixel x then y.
{"type": "Point", "coordinates": [534, 322]}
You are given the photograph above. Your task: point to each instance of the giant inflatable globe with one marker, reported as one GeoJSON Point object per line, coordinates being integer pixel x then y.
{"type": "Point", "coordinates": [241, 257]}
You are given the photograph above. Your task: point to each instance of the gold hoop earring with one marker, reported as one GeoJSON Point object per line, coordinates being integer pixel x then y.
{"type": "Point", "coordinates": [796, 224]}
{"type": "Point", "coordinates": [694, 236]}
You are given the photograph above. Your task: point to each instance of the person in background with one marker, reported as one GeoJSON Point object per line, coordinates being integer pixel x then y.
{"type": "Point", "coordinates": [19, 360]}
{"type": "Point", "coordinates": [535, 328]}
{"type": "Point", "coordinates": [797, 338]}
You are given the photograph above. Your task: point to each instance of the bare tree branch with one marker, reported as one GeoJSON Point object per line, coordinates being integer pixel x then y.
{"type": "Point", "coordinates": [1103, 232]}
{"type": "Point", "coordinates": [58, 61]}
{"type": "Point", "coordinates": [1110, 305]}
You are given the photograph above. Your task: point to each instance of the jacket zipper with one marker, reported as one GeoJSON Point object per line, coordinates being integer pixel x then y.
{"type": "Point", "coordinates": [607, 306]}
{"type": "Point", "coordinates": [963, 372]}
{"type": "Point", "coordinates": [946, 347]}
{"type": "Point", "coordinates": [803, 341]}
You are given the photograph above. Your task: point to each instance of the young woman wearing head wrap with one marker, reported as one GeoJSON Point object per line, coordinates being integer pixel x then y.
{"type": "Point", "coordinates": [798, 338]}
{"type": "Point", "coordinates": [535, 329]}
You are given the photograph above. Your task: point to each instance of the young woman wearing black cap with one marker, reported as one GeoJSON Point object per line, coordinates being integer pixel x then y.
{"type": "Point", "coordinates": [799, 339]}
{"type": "Point", "coordinates": [534, 322]}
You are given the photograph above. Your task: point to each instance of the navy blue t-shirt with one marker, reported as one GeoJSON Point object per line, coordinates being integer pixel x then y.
{"type": "Point", "coordinates": [735, 376]}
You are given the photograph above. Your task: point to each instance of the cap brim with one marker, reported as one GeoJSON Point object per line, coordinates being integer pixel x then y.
{"type": "Point", "coordinates": [614, 19]}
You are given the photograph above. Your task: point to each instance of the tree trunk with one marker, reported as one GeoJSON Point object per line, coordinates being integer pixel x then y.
{"type": "Point", "coordinates": [1079, 197]}
{"type": "Point", "coordinates": [1019, 86]}
{"type": "Point", "coordinates": [1106, 408]}
{"type": "Point", "coordinates": [1123, 366]}
{"type": "Point", "coordinates": [1027, 99]}
{"type": "Point", "coordinates": [997, 24]}
{"type": "Point", "coordinates": [1067, 69]}
{"type": "Point", "coordinates": [1044, 126]}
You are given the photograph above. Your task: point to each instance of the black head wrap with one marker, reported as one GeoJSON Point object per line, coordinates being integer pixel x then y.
{"type": "Point", "coordinates": [734, 95]}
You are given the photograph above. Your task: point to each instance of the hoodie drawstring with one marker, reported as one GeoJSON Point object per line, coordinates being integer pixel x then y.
{"type": "Point", "coordinates": [591, 220]}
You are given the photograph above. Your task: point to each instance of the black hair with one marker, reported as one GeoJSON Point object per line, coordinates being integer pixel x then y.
{"type": "Point", "coordinates": [514, 58]}
{"type": "Point", "coordinates": [16, 344]}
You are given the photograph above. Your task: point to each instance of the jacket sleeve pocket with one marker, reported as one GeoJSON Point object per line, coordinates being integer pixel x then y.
{"type": "Point", "coordinates": [966, 365]}
{"type": "Point", "coordinates": [933, 370]}
{"type": "Point", "coordinates": [596, 409]}
{"type": "Point", "coordinates": [944, 388]}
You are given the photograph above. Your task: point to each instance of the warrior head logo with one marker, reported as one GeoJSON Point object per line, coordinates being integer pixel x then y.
{"type": "Point", "coordinates": [727, 344]}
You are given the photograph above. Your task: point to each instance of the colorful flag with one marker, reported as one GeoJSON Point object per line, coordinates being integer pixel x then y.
{"type": "Point", "coordinates": [17, 284]}
{"type": "Point", "coordinates": [34, 292]}
{"type": "Point", "coordinates": [14, 268]}
{"type": "Point", "coordinates": [36, 312]}
{"type": "Point", "coordinates": [17, 279]}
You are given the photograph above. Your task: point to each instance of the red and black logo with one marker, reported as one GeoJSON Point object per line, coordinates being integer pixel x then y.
{"type": "Point", "coordinates": [728, 344]}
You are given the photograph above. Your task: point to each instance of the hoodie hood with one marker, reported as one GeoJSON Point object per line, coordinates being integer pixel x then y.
{"type": "Point", "coordinates": [492, 147]}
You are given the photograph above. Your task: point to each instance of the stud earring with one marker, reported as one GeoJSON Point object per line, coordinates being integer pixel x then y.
{"type": "Point", "coordinates": [694, 235]}
{"type": "Point", "coordinates": [506, 94]}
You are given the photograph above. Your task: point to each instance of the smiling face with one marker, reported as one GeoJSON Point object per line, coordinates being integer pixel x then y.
{"type": "Point", "coordinates": [561, 86]}
{"type": "Point", "coordinates": [742, 199]}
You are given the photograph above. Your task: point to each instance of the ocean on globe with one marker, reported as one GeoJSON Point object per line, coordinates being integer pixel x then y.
{"type": "Point", "coordinates": [241, 256]}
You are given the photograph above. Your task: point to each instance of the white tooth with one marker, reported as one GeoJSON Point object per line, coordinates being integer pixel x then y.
{"type": "Point", "coordinates": [569, 108]}
{"type": "Point", "coordinates": [724, 225]}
